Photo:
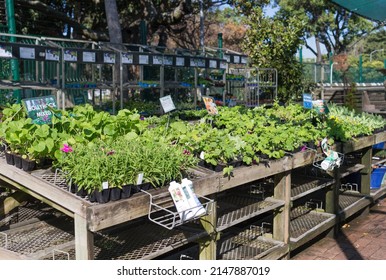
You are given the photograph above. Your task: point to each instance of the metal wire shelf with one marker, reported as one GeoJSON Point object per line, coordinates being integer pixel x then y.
{"type": "Point", "coordinates": [163, 212]}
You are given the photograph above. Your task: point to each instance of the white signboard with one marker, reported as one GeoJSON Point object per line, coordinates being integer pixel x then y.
{"type": "Point", "coordinates": [89, 57]}
{"type": "Point", "coordinates": [70, 55]}
{"type": "Point", "coordinates": [157, 59]}
{"type": "Point", "coordinates": [180, 61]}
{"type": "Point", "coordinates": [52, 55]}
{"type": "Point", "coordinates": [27, 53]}
{"type": "Point", "coordinates": [127, 58]}
{"type": "Point", "coordinates": [168, 60]}
{"type": "Point", "coordinates": [143, 59]}
{"type": "Point", "coordinates": [212, 63]}
{"type": "Point", "coordinates": [167, 103]}
{"type": "Point", "coordinates": [236, 59]}
{"type": "Point", "coordinates": [109, 57]}
{"type": "Point", "coordinates": [5, 51]}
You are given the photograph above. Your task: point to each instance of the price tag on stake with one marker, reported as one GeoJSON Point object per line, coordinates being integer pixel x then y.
{"type": "Point", "coordinates": [105, 185]}
{"type": "Point", "coordinates": [140, 178]}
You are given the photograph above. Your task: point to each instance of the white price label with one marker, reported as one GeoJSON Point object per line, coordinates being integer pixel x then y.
{"type": "Point", "coordinates": [105, 185]}
{"type": "Point", "coordinates": [140, 178]}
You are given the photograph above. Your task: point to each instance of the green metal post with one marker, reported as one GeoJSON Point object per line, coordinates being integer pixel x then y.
{"type": "Point", "coordinates": [12, 30]}
{"type": "Point", "coordinates": [301, 55]}
{"type": "Point", "coordinates": [219, 43]}
{"type": "Point", "coordinates": [360, 69]}
{"type": "Point", "coordinates": [143, 33]}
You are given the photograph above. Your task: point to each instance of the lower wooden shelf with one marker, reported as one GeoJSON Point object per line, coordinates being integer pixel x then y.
{"type": "Point", "coordinates": [250, 245]}
{"type": "Point", "coordinates": [306, 224]}
{"type": "Point", "coordinates": [351, 202]}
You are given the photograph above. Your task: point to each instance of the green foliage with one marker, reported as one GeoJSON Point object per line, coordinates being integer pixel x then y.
{"type": "Point", "coordinates": [333, 26]}
{"type": "Point", "coordinates": [273, 43]}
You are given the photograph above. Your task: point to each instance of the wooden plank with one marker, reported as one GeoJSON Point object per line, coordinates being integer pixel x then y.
{"type": "Point", "coordinates": [376, 194]}
{"type": "Point", "coordinates": [246, 174]}
{"type": "Point", "coordinates": [84, 239]}
{"type": "Point", "coordinates": [276, 253]}
{"type": "Point", "coordinates": [37, 196]}
{"type": "Point", "coordinates": [23, 180]}
{"type": "Point", "coordinates": [358, 144]}
{"type": "Point", "coordinates": [11, 202]}
{"type": "Point", "coordinates": [312, 233]}
{"type": "Point", "coordinates": [366, 160]}
{"type": "Point", "coordinates": [354, 208]}
{"type": "Point", "coordinates": [208, 245]}
{"type": "Point", "coordinates": [380, 137]}
{"type": "Point", "coordinates": [282, 191]}
{"type": "Point", "coordinates": [9, 255]}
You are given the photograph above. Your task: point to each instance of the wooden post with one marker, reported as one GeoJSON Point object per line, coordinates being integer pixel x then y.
{"type": "Point", "coordinates": [208, 245]}
{"type": "Point", "coordinates": [332, 201]}
{"type": "Point", "coordinates": [366, 160]}
{"type": "Point", "coordinates": [84, 239]}
{"type": "Point", "coordinates": [12, 201]}
{"type": "Point", "coordinates": [281, 221]}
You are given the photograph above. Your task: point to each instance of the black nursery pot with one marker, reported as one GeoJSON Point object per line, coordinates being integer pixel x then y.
{"type": "Point", "coordinates": [128, 191]}
{"type": "Point", "coordinates": [9, 158]}
{"type": "Point", "coordinates": [18, 162]}
{"type": "Point", "coordinates": [102, 196]}
{"type": "Point", "coordinates": [28, 164]}
{"type": "Point", "coordinates": [115, 194]}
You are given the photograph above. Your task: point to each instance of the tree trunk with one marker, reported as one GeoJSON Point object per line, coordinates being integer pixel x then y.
{"type": "Point", "coordinates": [115, 34]}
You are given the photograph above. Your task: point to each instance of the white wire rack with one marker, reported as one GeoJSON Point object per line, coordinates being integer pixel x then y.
{"type": "Point", "coordinates": [320, 157]}
{"type": "Point", "coordinates": [163, 212]}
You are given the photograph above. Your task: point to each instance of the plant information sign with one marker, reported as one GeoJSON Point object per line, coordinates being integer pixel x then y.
{"type": "Point", "coordinates": [167, 103]}
{"type": "Point", "coordinates": [307, 101]}
{"type": "Point", "coordinates": [210, 105]}
{"type": "Point", "coordinates": [38, 108]}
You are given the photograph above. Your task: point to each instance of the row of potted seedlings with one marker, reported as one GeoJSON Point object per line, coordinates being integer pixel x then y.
{"type": "Point", "coordinates": [99, 152]}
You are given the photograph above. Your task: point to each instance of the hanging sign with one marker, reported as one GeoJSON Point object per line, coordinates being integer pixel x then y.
{"type": "Point", "coordinates": [168, 60]}
{"type": "Point", "coordinates": [37, 108]}
{"type": "Point", "coordinates": [143, 59]}
{"type": "Point", "coordinates": [307, 101]}
{"type": "Point", "coordinates": [89, 57]}
{"type": "Point", "coordinates": [244, 60]}
{"type": "Point", "coordinates": [70, 55]}
{"type": "Point", "coordinates": [210, 105]}
{"type": "Point", "coordinates": [109, 58]}
{"type": "Point", "coordinates": [212, 63]}
{"type": "Point", "coordinates": [52, 54]}
{"type": "Point", "coordinates": [27, 53]}
{"type": "Point", "coordinates": [157, 59]}
{"type": "Point", "coordinates": [167, 103]}
{"type": "Point", "coordinates": [127, 58]}
{"type": "Point", "coordinates": [180, 61]}
{"type": "Point", "coordinates": [5, 51]}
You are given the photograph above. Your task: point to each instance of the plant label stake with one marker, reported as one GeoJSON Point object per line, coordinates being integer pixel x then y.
{"type": "Point", "coordinates": [167, 106]}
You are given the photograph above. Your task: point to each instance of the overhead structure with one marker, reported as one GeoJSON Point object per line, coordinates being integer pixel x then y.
{"type": "Point", "coordinates": [373, 10]}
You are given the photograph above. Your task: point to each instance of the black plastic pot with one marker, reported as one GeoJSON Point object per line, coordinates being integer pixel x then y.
{"type": "Point", "coordinates": [9, 158]}
{"type": "Point", "coordinates": [28, 164]}
{"type": "Point", "coordinates": [102, 196]}
{"type": "Point", "coordinates": [18, 161]}
{"type": "Point", "coordinates": [115, 194]}
{"type": "Point", "coordinates": [128, 191]}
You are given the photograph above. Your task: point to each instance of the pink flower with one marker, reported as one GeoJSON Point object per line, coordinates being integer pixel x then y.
{"type": "Point", "coordinates": [111, 153]}
{"type": "Point", "coordinates": [66, 148]}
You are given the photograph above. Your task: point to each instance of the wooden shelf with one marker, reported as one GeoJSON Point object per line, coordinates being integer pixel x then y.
{"type": "Point", "coordinates": [351, 202]}
{"type": "Point", "coordinates": [306, 224]}
{"type": "Point", "coordinates": [249, 245]}
{"type": "Point", "coordinates": [234, 209]}
{"type": "Point", "coordinates": [305, 185]}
